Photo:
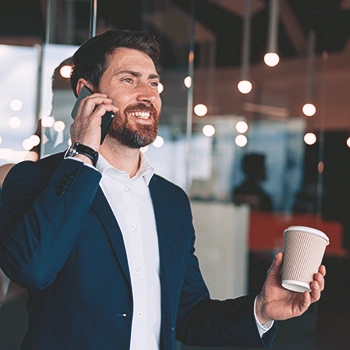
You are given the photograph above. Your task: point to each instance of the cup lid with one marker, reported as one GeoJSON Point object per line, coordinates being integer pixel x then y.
{"type": "Point", "coordinates": [309, 230]}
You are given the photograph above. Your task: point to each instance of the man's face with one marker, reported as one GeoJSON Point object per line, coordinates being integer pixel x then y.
{"type": "Point", "coordinates": [131, 81]}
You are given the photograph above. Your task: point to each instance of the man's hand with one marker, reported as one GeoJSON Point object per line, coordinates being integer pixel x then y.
{"type": "Point", "coordinates": [277, 303]}
{"type": "Point", "coordinates": [86, 127]}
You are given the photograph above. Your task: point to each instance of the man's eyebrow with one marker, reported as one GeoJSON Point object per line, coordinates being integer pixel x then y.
{"type": "Point", "coordinates": [154, 76]}
{"type": "Point", "coordinates": [137, 74]}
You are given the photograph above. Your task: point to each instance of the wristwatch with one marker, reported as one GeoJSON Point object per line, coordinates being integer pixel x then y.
{"type": "Point", "coordinates": [78, 148]}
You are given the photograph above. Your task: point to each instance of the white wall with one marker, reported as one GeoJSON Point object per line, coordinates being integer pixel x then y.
{"type": "Point", "coordinates": [222, 247]}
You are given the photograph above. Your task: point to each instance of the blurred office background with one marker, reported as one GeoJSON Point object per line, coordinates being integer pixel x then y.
{"type": "Point", "coordinates": [234, 133]}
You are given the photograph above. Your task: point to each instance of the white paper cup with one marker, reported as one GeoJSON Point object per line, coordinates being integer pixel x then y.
{"type": "Point", "coordinates": [304, 248]}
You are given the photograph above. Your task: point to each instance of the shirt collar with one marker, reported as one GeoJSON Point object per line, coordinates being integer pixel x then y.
{"type": "Point", "coordinates": [146, 170]}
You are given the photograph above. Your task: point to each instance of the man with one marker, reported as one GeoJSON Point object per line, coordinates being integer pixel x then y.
{"type": "Point", "coordinates": [104, 246]}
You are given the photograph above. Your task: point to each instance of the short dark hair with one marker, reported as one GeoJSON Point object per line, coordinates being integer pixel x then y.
{"type": "Point", "coordinates": [90, 60]}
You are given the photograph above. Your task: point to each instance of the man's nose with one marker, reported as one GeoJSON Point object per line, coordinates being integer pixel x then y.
{"type": "Point", "coordinates": [147, 94]}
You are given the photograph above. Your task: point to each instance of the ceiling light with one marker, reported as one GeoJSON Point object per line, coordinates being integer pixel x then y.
{"type": "Point", "coordinates": [271, 58]}
{"type": "Point", "coordinates": [309, 109]}
{"type": "Point", "coordinates": [245, 86]}
{"type": "Point", "coordinates": [200, 109]}
{"type": "Point", "coordinates": [310, 138]}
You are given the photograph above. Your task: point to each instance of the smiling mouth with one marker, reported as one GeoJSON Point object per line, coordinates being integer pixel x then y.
{"type": "Point", "coordinates": [141, 115]}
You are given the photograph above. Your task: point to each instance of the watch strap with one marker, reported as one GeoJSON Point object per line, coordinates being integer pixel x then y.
{"type": "Point", "coordinates": [79, 148]}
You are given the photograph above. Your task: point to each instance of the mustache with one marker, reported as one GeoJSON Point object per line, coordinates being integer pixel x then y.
{"type": "Point", "coordinates": [141, 107]}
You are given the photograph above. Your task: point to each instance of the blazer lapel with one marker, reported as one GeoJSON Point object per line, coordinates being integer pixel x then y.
{"type": "Point", "coordinates": [161, 204]}
{"type": "Point", "coordinates": [103, 210]}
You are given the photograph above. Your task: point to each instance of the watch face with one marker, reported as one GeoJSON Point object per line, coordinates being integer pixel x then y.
{"type": "Point", "coordinates": [71, 151]}
{"type": "Point", "coordinates": [78, 148]}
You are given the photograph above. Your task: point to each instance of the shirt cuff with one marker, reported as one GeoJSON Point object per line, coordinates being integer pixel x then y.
{"type": "Point", "coordinates": [262, 328]}
{"type": "Point", "coordinates": [79, 160]}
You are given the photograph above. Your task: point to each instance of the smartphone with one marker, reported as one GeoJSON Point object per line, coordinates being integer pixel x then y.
{"type": "Point", "coordinates": [106, 119]}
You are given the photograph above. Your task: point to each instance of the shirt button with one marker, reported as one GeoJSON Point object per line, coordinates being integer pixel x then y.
{"type": "Point", "coordinates": [137, 271]}
{"type": "Point", "coordinates": [126, 189]}
{"type": "Point", "coordinates": [140, 314]}
{"type": "Point", "coordinates": [133, 227]}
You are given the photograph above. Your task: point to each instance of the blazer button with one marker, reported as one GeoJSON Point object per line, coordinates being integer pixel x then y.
{"type": "Point", "coordinates": [61, 189]}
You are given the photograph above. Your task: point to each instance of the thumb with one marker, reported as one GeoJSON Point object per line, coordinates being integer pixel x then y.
{"type": "Point", "coordinates": [276, 267]}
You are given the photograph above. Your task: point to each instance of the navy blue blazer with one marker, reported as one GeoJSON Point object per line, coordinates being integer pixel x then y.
{"type": "Point", "coordinates": [61, 241]}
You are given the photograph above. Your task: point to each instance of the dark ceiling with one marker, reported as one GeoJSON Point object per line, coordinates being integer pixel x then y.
{"type": "Point", "coordinates": [329, 18]}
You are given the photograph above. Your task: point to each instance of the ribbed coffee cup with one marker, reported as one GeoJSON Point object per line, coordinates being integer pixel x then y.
{"type": "Point", "coordinates": [304, 248]}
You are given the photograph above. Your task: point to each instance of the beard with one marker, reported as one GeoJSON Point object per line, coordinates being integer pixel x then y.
{"type": "Point", "coordinates": [134, 136]}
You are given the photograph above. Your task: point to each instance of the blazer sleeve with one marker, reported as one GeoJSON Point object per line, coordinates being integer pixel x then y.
{"type": "Point", "coordinates": [203, 321]}
{"type": "Point", "coordinates": [41, 212]}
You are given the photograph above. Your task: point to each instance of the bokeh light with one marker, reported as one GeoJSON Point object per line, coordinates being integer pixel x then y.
{"type": "Point", "coordinates": [188, 81]}
{"type": "Point", "coordinates": [200, 109]}
{"type": "Point", "coordinates": [242, 126]}
{"type": "Point", "coordinates": [16, 105]}
{"type": "Point", "coordinates": [14, 122]}
{"type": "Point", "coordinates": [271, 59]}
{"type": "Point", "coordinates": [47, 121]}
{"type": "Point", "coordinates": [310, 138]}
{"type": "Point", "coordinates": [144, 149]}
{"type": "Point", "coordinates": [208, 130]}
{"type": "Point", "coordinates": [34, 139]}
{"type": "Point", "coordinates": [59, 126]}
{"type": "Point", "coordinates": [241, 140]}
{"type": "Point", "coordinates": [160, 88]}
{"type": "Point", "coordinates": [65, 71]}
{"type": "Point", "coordinates": [309, 109]}
{"type": "Point", "coordinates": [245, 86]}
{"type": "Point", "coordinates": [27, 144]}
{"type": "Point", "coordinates": [158, 142]}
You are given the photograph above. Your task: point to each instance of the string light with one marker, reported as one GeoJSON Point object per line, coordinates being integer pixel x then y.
{"type": "Point", "coordinates": [309, 109]}
{"type": "Point", "coordinates": [245, 86]}
{"type": "Point", "coordinates": [310, 138]}
{"type": "Point", "coordinates": [271, 58]}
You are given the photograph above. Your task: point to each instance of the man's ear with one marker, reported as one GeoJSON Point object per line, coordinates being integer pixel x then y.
{"type": "Point", "coordinates": [80, 84]}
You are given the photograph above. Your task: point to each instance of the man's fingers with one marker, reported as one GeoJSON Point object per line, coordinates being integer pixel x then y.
{"type": "Point", "coordinates": [322, 270]}
{"type": "Point", "coordinates": [305, 302]}
{"type": "Point", "coordinates": [320, 280]}
{"type": "Point", "coordinates": [315, 291]}
{"type": "Point", "coordinates": [276, 264]}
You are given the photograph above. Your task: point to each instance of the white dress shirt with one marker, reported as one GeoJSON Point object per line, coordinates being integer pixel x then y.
{"type": "Point", "coordinates": [132, 206]}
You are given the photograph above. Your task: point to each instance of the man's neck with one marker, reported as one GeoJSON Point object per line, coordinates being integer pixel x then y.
{"type": "Point", "coordinates": [121, 157]}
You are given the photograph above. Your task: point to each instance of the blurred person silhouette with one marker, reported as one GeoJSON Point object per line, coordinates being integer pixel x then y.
{"type": "Point", "coordinates": [250, 190]}
{"type": "Point", "coordinates": [104, 246]}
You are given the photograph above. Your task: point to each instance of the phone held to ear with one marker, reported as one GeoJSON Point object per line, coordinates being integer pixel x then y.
{"type": "Point", "coordinates": [106, 119]}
